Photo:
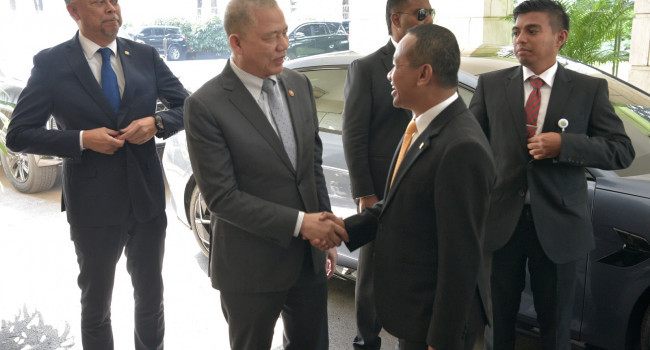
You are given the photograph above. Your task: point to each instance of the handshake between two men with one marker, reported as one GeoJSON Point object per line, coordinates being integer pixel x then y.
{"type": "Point", "coordinates": [323, 230]}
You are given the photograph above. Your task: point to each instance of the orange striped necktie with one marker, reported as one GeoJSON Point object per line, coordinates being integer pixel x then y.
{"type": "Point", "coordinates": [532, 106]}
{"type": "Point", "coordinates": [408, 137]}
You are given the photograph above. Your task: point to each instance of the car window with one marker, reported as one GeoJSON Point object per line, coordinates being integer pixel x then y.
{"type": "Point", "coordinates": [304, 30]}
{"type": "Point", "coordinates": [146, 32]}
{"type": "Point", "coordinates": [327, 83]}
{"type": "Point", "coordinates": [158, 31]}
{"type": "Point", "coordinates": [319, 29]}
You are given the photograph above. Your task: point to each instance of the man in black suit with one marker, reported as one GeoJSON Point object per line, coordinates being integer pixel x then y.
{"type": "Point", "coordinates": [113, 189]}
{"type": "Point", "coordinates": [372, 128]}
{"type": "Point", "coordinates": [428, 230]}
{"type": "Point", "coordinates": [252, 135]}
{"type": "Point", "coordinates": [545, 124]}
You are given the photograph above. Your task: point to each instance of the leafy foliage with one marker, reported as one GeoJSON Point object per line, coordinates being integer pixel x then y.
{"type": "Point", "coordinates": [598, 30]}
{"type": "Point", "coordinates": [203, 36]}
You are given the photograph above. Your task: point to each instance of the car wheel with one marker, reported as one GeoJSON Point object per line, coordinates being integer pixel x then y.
{"type": "Point", "coordinates": [25, 175]}
{"type": "Point", "coordinates": [644, 332]}
{"type": "Point", "coordinates": [200, 220]}
{"type": "Point", "coordinates": [173, 53]}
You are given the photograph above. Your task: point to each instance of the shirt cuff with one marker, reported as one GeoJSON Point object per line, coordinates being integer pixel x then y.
{"type": "Point", "coordinates": [296, 231]}
{"type": "Point", "coordinates": [81, 140]}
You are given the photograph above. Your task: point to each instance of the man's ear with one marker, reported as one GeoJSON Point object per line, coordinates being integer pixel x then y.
{"type": "Point", "coordinates": [235, 43]}
{"type": "Point", "coordinates": [425, 74]}
{"type": "Point", "coordinates": [72, 10]}
{"type": "Point", "coordinates": [561, 37]}
{"type": "Point", "coordinates": [395, 20]}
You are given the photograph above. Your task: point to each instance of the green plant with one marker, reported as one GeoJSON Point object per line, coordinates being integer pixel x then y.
{"type": "Point", "coordinates": [204, 36]}
{"type": "Point", "coordinates": [599, 30]}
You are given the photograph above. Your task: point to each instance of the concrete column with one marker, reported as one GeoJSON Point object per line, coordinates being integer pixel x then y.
{"type": "Point", "coordinates": [640, 48]}
{"type": "Point", "coordinates": [479, 25]}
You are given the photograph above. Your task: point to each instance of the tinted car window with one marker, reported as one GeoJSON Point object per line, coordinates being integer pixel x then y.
{"type": "Point", "coordinates": [319, 29]}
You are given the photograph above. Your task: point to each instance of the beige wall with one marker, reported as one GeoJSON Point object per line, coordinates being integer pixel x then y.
{"type": "Point", "coordinates": [477, 24]}
{"type": "Point", "coordinates": [640, 48]}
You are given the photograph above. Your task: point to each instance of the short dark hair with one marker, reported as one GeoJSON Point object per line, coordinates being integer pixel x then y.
{"type": "Point", "coordinates": [558, 18]}
{"type": "Point", "coordinates": [390, 6]}
{"type": "Point", "coordinates": [437, 46]}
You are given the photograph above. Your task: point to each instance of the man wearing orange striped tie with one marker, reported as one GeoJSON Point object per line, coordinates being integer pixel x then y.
{"type": "Point", "coordinates": [429, 277]}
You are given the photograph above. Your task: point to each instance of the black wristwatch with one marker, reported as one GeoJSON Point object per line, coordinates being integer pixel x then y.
{"type": "Point", "coordinates": [160, 126]}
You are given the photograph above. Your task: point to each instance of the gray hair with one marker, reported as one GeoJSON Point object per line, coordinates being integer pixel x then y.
{"type": "Point", "coordinates": [239, 15]}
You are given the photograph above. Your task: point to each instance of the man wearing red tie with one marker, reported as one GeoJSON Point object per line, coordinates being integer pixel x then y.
{"type": "Point", "coordinates": [545, 124]}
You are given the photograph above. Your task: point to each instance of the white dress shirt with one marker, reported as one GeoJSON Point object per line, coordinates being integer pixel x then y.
{"type": "Point", "coordinates": [422, 121]}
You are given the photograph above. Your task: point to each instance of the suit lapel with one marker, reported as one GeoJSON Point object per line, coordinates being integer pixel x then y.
{"type": "Point", "coordinates": [560, 92]}
{"type": "Point", "coordinates": [79, 65]}
{"type": "Point", "coordinates": [241, 99]}
{"type": "Point", "coordinates": [387, 60]}
{"type": "Point", "coordinates": [515, 100]}
{"type": "Point", "coordinates": [420, 145]}
{"type": "Point", "coordinates": [128, 68]}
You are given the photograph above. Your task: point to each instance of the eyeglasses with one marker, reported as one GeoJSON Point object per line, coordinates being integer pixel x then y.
{"type": "Point", "coordinates": [421, 13]}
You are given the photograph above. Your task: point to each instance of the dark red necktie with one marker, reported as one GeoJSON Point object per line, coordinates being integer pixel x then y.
{"type": "Point", "coordinates": [532, 106]}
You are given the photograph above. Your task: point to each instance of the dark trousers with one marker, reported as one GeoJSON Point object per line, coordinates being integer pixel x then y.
{"type": "Point", "coordinates": [252, 317]}
{"type": "Point", "coordinates": [368, 325]}
{"type": "Point", "coordinates": [98, 251]}
{"type": "Point", "coordinates": [553, 287]}
{"type": "Point", "coordinates": [476, 322]}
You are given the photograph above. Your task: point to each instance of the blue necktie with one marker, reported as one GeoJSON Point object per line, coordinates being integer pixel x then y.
{"type": "Point", "coordinates": [109, 80]}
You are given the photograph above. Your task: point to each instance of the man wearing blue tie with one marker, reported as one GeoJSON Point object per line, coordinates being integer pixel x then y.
{"type": "Point", "coordinates": [102, 91]}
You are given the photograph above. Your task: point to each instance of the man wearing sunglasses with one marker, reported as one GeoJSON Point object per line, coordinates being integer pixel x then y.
{"type": "Point", "coordinates": [372, 129]}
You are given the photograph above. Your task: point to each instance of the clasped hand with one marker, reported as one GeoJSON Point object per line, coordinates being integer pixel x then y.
{"type": "Point", "coordinates": [323, 230]}
{"type": "Point", "coordinates": [108, 141]}
{"type": "Point", "coordinates": [545, 145]}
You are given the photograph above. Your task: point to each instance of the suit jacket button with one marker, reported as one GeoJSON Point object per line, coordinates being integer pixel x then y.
{"type": "Point", "coordinates": [521, 193]}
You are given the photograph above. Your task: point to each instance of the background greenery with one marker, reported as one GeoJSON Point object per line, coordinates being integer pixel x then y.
{"type": "Point", "coordinates": [205, 36]}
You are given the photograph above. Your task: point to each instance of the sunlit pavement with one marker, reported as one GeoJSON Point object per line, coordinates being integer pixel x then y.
{"type": "Point", "coordinates": [39, 297]}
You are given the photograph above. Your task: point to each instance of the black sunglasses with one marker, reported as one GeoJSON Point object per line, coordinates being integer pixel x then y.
{"type": "Point", "coordinates": [421, 13]}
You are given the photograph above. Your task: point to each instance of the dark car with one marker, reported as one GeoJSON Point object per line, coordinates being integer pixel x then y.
{"type": "Point", "coordinates": [313, 38]}
{"type": "Point", "coordinates": [613, 290]}
{"type": "Point", "coordinates": [158, 36]}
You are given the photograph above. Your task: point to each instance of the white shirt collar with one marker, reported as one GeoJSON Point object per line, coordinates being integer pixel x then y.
{"type": "Point", "coordinates": [548, 75]}
{"type": "Point", "coordinates": [89, 47]}
{"type": "Point", "coordinates": [423, 121]}
{"type": "Point", "coordinates": [252, 83]}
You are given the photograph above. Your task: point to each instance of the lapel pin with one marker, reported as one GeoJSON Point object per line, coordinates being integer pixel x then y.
{"type": "Point", "coordinates": [563, 123]}
{"type": "Point", "coordinates": [291, 93]}
{"type": "Point", "coordinates": [127, 53]}
{"type": "Point", "coordinates": [421, 145]}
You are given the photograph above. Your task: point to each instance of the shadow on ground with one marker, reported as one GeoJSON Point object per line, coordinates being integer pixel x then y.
{"type": "Point", "coordinates": [29, 331]}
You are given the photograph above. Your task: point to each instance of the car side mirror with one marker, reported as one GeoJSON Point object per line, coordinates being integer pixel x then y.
{"type": "Point", "coordinates": [300, 35]}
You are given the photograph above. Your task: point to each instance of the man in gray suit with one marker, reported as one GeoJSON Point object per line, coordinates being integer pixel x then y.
{"type": "Point", "coordinates": [545, 124]}
{"type": "Point", "coordinates": [372, 128]}
{"type": "Point", "coordinates": [252, 135]}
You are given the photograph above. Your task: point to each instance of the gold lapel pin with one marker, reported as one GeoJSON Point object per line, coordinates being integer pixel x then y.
{"type": "Point", "coordinates": [127, 53]}
{"type": "Point", "coordinates": [421, 145]}
{"type": "Point", "coordinates": [291, 93]}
